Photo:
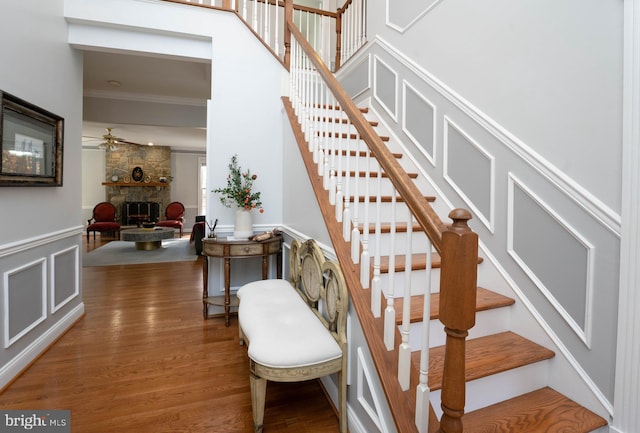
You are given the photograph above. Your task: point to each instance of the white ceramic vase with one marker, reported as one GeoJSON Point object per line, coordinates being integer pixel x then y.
{"type": "Point", "coordinates": [242, 227]}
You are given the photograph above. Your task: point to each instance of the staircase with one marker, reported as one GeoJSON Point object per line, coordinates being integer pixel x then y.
{"type": "Point", "coordinates": [505, 373]}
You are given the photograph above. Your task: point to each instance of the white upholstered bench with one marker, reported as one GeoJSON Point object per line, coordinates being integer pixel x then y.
{"type": "Point", "coordinates": [296, 330]}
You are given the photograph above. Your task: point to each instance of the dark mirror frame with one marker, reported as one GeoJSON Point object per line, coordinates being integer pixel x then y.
{"type": "Point", "coordinates": [31, 144]}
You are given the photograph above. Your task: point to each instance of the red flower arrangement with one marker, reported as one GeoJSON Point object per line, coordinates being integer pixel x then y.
{"type": "Point", "coordinates": [238, 189]}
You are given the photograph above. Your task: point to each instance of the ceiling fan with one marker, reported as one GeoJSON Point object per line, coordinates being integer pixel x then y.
{"type": "Point", "coordinates": [110, 142]}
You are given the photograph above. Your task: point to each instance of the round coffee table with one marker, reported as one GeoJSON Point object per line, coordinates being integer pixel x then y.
{"type": "Point", "coordinates": [147, 239]}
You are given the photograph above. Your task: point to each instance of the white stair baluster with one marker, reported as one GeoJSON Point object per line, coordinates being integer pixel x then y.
{"type": "Point", "coordinates": [376, 289]}
{"type": "Point", "coordinates": [404, 354]}
{"type": "Point", "coordinates": [339, 177]}
{"type": "Point", "coordinates": [364, 256]}
{"type": "Point", "coordinates": [422, 389]}
{"type": "Point", "coordinates": [355, 231]}
{"type": "Point", "coordinates": [390, 311]}
{"type": "Point", "coordinates": [346, 212]}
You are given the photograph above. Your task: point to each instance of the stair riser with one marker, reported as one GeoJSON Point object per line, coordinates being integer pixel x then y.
{"type": "Point", "coordinates": [418, 243]}
{"type": "Point", "coordinates": [418, 279]}
{"type": "Point", "coordinates": [386, 212]}
{"type": "Point", "coordinates": [386, 188]}
{"type": "Point", "coordinates": [487, 323]}
{"type": "Point", "coordinates": [498, 387]}
{"type": "Point", "coordinates": [340, 166]}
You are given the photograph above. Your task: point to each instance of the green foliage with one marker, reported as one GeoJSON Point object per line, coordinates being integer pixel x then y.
{"type": "Point", "coordinates": [238, 189]}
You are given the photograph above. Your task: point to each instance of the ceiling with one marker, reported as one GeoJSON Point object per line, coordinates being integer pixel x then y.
{"type": "Point", "coordinates": [145, 99]}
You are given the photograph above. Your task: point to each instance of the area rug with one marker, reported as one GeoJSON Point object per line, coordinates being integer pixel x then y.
{"type": "Point", "coordinates": [125, 253]}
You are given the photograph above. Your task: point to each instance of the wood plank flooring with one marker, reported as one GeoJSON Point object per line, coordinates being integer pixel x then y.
{"type": "Point", "coordinates": [144, 360]}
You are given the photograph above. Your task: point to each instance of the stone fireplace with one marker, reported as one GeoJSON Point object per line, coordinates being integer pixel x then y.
{"type": "Point", "coordinates": [123, 185]}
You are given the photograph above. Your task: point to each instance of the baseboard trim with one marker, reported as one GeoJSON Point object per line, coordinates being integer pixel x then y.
{"type": "Point", "coordinates": [21, 362]}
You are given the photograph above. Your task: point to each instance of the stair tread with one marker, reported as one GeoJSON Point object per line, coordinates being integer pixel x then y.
{"type": "Point", "coordinates": [340, 120]}
{"type": "Point", "coordinates": [485, 300]}
{"type": "Point", "coordinates": [388, 199]}
{"type": "Point", "coordinates": [488, 355]}
{"type": "Point", "coordinates": [350, 136]}
{"type": "Point", "coordinates": [386, 228]}
{"type": "Point", "coordinates": [362, 153]}
{"type": "Point", "coordinates": [374, 174]}
{"type": "Point", "coordinates": [542, 410]}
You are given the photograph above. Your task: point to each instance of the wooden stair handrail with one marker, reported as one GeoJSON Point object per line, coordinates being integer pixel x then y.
{"type": "Point", "coordinates": [421, 209]}
{"type": "Point", "coordinates": [456, 243]}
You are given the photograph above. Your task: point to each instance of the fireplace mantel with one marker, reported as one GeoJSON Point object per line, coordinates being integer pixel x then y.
{"type": "Point", "coordinates": [138, 184]}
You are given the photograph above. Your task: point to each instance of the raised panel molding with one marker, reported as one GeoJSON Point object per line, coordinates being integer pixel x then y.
{"type": "Point", "coordinates": [484, 211]}
{"type": "Point", "coordinates": [73, 253]}
{"type": "Point", "coordinates": [427, 113]}
{"type": "Point", "coordinates": [607, 216]}
{"type": "Point", "coordinates": [401, 15]}
{"type": "Point", "coordinates": [380, 68]}
{"type": "Point", "coordinates": [366, 394]}
{"type": "Point", "coordinates": [584, 330]}
{"type": "Point", "coordinates": [36, 270]}
{"type": "Point", "coordinates": [356, 68]}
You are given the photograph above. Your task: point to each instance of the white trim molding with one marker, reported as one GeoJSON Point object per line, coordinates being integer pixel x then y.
{"type": "Point", "coordinates": [402, 29]}
{"type": "Point", "coordinates": [583, 333]}
{"type": "Point", "coordinates": [6, 311]}
{"type": "Point", "coordinates": [19, 363]}
{"type": "Point", "coordinates": [627, 381]}
{"type": "Point", "coordinates": [392, 113]}
{"type": "Point", "coordinates": [487, 220]}
{"type": "Point", "coordinates": [75, 250]}
{"type": "Point", "coordinates": [431, 157]}
{"type": "Point", "coordinates": [593, 205]}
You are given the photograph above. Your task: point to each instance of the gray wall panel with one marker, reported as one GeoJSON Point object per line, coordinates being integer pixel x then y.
{"type": "Point", "coordinates": [65, 283]}
{"type": "Point", "coordinates": [554, 256]}
{"type": "Point", "coordinates": [357, 79]}
{"type": "Point", "coordinates": [25, 297]}
{"type": "Point", "coordinates": [385, 86]}
{"type": "Point", "coordinates": [419, 121]}
{"type": "Point", "coordinates": [469, 169]}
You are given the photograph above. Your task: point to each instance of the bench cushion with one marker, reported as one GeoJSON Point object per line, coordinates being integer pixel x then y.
{"type": "Point", "coordinates": [281, 328]}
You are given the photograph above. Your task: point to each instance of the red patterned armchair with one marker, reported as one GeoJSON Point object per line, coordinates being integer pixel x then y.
{"type": "Point", "coordinates": [103, 220]}
{"type": "Point", "coordinates": [174, 216]}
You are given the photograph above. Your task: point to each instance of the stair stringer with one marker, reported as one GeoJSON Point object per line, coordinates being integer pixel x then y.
{"type": "Point", "coordinates": [564, 372]}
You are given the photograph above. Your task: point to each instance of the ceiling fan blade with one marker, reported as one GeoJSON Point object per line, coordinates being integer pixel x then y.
{"type": "Point", "coordinates": [130, 142]}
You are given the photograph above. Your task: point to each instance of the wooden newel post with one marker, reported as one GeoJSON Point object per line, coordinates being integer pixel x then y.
{"type": "Point", "coordinates": [458, 288]}
{"type": "Point", "coordinates": [339, 37]}
{"type": "Point", "coordinates": [288, 19]}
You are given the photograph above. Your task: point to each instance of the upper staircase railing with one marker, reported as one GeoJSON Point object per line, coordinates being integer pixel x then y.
{"type": "Point", "coordinates": [266, 19]}
{"type": "Point", "coordinates": [316, 94]}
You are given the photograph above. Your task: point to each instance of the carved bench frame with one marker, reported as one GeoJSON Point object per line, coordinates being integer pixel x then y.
{"type": "Point", "coordinates": [321, 285]}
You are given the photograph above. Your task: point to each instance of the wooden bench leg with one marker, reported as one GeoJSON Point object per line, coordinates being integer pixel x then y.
{"type": "Point", "coordinates": [342, 400]}
{"type": "Point", "coordinates": [258, 395]}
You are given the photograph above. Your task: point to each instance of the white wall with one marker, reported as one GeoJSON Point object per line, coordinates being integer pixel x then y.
{"type": "Point", "coordinates": [549, 72]}
{"type": "Point", "coordinates": [56, 88]}
{"type": "Point", "coordinates": [245, 118]}
{"type": "Point", "coordinates": [41, 226]}
{"type": "Point", "coordinates": [184, 187]}
{"type": "Point", "coordinates": [93, 174]}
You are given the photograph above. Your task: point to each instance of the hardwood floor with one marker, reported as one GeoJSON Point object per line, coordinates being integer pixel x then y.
{"type": "Point", "coordinates": [144, 360]}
